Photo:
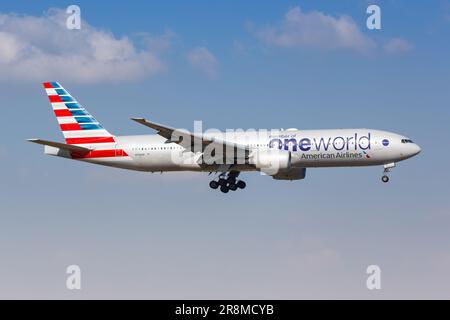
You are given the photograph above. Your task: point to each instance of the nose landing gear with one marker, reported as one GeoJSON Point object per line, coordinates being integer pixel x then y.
{"type": "Point", "coordinates": [228, 181]}
{"type": "Point", "coordinates": [387, 169]}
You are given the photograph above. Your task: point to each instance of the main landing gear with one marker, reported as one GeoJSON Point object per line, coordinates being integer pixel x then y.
{"type": "Point", "coordinates": [387, 169]}
{"type": "Point", "coordinates": [228, 181]}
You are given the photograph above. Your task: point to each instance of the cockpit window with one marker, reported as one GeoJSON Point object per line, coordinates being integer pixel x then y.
{"type": "Point", "coordinates": [407, 141]}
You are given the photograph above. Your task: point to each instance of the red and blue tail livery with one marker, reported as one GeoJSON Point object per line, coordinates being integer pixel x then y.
{"type": "Point", "coordinates": [79, 127]}
{"type": "Point", "coordinates": [76, 123]}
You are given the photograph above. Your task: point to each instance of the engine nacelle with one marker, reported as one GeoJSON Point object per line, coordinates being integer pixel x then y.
{"type": "Point", "coordinates": [272, 161]}
{"type": "Point", "coordinates": [291, 174]}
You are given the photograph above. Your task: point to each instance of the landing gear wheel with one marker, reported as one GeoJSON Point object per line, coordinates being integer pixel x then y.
{"type": "Point", "coordinates": [213, 184]}
{"type": "Point", "coordinates": [224, 189]}
{"type": "Point", "coordinates": [387, 169]}
{"type": "Point", "coordinates": [241, 184]}
{"type": "Point", "coordinates": [233, 187]}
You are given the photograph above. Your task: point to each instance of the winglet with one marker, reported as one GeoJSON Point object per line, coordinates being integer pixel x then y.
{"type": "Point", "coordinates": [138, 119]}
{"type": "Point", "coordinates": [142, 121]}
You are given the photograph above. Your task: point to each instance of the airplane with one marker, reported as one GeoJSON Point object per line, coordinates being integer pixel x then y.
{"type": "Point", "coordinates": [281, 154]}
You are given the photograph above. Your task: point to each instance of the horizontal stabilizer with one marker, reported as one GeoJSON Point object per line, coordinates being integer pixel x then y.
{"type": "Point", "coordinates": [63, 146]}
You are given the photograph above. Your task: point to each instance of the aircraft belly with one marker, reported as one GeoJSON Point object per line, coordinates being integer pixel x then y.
{"type": "Point", "coordinates": [116, 162]}
{"type": "Point", "coordinates": [166, 162]}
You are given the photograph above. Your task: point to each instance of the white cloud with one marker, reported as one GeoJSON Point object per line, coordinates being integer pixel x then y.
{"type": "Point", "coordinates": [203, 60]}
{"type": "Point", "coordinates": [316, 30]}
{"type": "Point", "coordinates": [43, 49]}
{"type": "Point", "coordinates": [159, 43]}
{"type": "Point", "coordinates": [397, 46]}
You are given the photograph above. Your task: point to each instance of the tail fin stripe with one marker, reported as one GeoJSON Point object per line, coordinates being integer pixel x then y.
{"type": "Point", "coordinates": [78, 112]}
{"type": "Point", "coordinates": [100, 133]}
{"type": "Point", "coordinates": [102, 154]}
{"type": "Point", "coordinates": [64, 120]}
{"type": "Point", "coordinates": [58, 105]}
{"type": "Point", "coordinates": [82, 126]}
{"type": "Point", "coordinates": [66, 98]}
{"type": "Point", "coordinates": [50, 85]}
{"type": "Point", "coordinates": [90, 126]}
{"type": "Point", "coordinates": [51, 92]}
{"type": "Point", "coordinates": [84, 120]}
{"type": "Point", "coordinates": [89, 140]}
{"type": "Point", "coordinates": [73, 106]}
{"type": "Point", "coordinates": [62, 113]}
{"type": "Point", "coordinates": [70, 126]}
{"type": "Point", "coordinates": [54, 99]}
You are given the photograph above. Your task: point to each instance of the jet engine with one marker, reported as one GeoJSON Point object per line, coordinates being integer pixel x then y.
{"type": "Point", "coordinates": [271, 162]}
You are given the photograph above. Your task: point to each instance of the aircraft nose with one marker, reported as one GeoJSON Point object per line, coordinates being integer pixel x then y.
{"type": "Point", "coordinates": [415, 149]}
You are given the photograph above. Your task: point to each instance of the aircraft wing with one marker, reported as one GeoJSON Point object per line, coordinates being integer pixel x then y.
{"type": "Point", "coordinates": [63, 146]}
{"type": "Point", "coordinates": [183, 137]}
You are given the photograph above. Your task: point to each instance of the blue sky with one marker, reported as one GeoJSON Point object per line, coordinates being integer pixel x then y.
{"type": "Point", "coordinates": [138, 235]}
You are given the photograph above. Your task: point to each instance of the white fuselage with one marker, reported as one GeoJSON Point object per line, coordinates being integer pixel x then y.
{"type": "Point", "coordinates": [308, 148]}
